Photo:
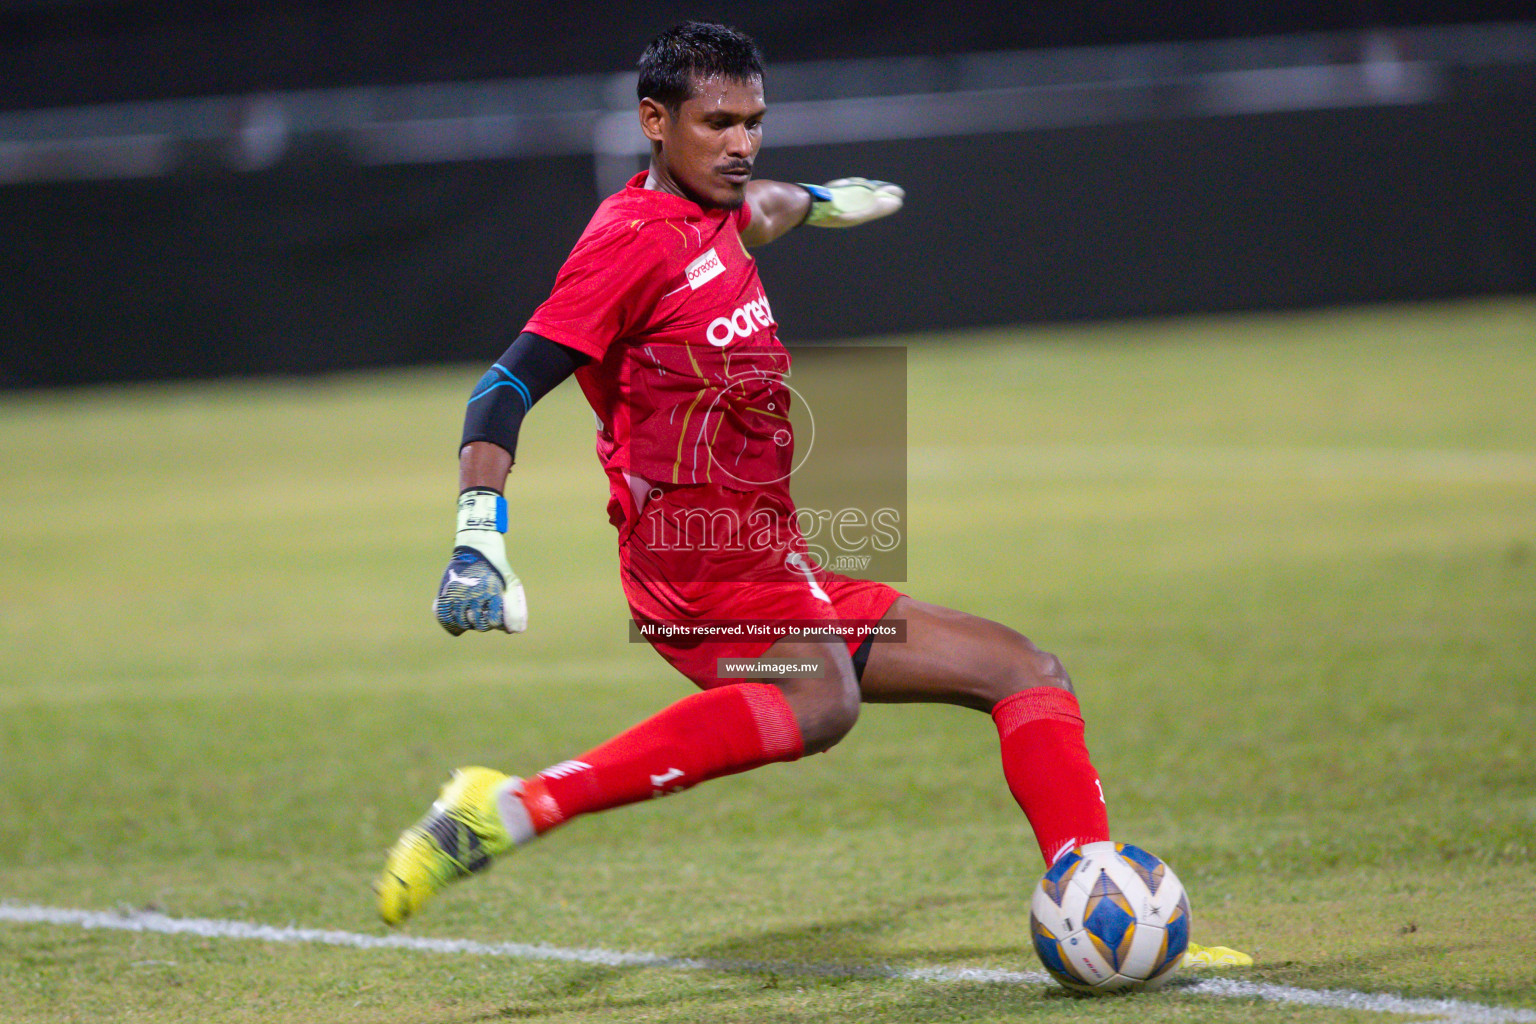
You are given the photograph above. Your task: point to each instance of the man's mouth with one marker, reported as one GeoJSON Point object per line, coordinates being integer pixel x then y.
{"type": "Point", "coordinates": [736, 174]}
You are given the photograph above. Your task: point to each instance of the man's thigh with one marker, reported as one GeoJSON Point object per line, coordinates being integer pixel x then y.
{"type": "Point", "coordinates": [953, 657]}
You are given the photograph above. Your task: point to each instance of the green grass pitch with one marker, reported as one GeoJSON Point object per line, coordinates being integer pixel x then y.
{"type": "Point", "coordinates": [1290, 561]}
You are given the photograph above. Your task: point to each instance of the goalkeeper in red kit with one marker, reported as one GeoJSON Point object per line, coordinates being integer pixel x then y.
{"type": "Point", "coordinates": [660, 316]}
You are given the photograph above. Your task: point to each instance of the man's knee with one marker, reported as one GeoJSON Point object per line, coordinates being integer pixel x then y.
{"type": "Point", "coordinates": [1019, 666]}
{"type": "Point", "coordinates": [829, 717]}
{"type": "Point", "coordinates": [826, 703]}
{"type": "Point", "coordinates": [1042, 668]}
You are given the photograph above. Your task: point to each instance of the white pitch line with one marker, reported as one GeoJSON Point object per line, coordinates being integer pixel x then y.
{"type": "Point", "coordinates": [1452, 1011]}
{"type": "Point", "coordinates": [146, 921]}
{"type": "Point", "coordinates": [1448, 1011]}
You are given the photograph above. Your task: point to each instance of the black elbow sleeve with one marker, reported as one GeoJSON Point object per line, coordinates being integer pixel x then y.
{"type": "Point", "coordinates": [525, 373]}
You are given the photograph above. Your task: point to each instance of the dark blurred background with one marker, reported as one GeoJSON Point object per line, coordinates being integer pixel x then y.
{"type": "Point", "coordinates": [244, 188]}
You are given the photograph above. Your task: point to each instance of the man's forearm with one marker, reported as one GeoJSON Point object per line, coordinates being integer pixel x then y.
{"type": "Point", "coordinates": [483, 464]}
{"type": "Point", "coordinates": [479, 591]}
{"type": "Point", "coordinates": [777, 207]}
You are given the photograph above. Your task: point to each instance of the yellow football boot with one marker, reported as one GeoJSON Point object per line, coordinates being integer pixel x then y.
{"type": "Point", "coordinates": [457, 837]}
{"type": "Point", "coordinates": [1198, 957]}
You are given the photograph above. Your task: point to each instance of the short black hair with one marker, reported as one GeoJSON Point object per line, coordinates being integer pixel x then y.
{"type": "Point", "coordinates": [695, 50]}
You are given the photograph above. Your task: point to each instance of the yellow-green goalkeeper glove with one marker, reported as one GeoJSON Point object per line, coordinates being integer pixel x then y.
{"type": "Point", "coordinates": [848, 202]}
{"type": "Point", "coordinates": [479, 590]}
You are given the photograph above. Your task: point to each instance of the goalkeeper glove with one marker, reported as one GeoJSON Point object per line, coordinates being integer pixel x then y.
{"type": "Point", "coordinates": [479, 590]}
{"type": "Point", "coordinates": [848, 202]}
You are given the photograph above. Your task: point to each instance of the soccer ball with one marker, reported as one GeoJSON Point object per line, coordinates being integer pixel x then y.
{"type": "Point", "coordinates": [1109, 917]}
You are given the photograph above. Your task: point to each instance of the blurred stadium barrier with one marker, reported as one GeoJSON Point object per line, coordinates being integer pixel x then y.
{"type": "Point", "coordinates": [316, 230]}
{"type": "Point", "coordinates": [846, 101]}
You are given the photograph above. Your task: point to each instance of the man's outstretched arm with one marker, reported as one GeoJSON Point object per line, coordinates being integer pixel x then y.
{"type": "Point", "coordinates": [778, 206]}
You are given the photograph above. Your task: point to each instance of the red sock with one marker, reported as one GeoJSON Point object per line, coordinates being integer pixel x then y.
{"type": "Point", "coordinates": [1045, 762]}
{"type": "Point", "coordinates": [704, 736]}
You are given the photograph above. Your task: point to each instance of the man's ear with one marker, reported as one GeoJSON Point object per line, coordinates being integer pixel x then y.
{"type": "Point", "coordinates": [654, 118]}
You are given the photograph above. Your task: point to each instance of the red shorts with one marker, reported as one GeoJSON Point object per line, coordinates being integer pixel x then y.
{"type": "Point", "coordinates": [699, 603]}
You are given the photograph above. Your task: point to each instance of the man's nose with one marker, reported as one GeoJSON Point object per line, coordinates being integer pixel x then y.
{"type": "Point", "coordinates": [738, 141]}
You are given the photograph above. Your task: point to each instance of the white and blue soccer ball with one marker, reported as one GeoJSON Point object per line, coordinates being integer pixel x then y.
{"type": "Point", "coordinates": [1109, 917]}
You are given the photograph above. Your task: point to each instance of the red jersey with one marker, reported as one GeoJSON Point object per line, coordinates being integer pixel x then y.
{"type": "Point", "coordinates": [688, 383]}
{"type": "Point", "coordinates": [687, 378]}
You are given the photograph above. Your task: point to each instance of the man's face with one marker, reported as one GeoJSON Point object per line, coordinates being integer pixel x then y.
{"type": "Point", "coordinates": [707, 149]}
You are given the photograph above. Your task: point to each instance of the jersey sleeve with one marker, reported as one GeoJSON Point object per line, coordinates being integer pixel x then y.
{"type": "Point", "coordinates": [605, 291]}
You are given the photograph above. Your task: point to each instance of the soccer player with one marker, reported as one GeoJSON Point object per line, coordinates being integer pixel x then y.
{"type": "Point", "coordinates": [660, 315]}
